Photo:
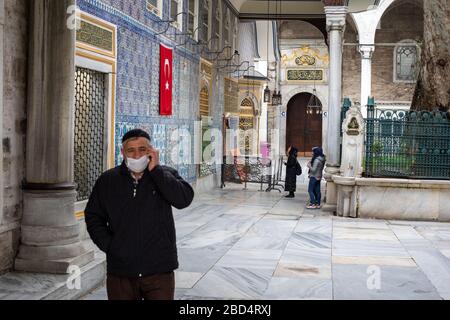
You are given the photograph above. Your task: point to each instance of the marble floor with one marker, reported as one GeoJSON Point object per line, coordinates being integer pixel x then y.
{"type": "Point", "coordinates": [246, 244]}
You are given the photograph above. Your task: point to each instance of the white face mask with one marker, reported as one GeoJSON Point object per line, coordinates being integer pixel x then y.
{"type": "Point", "coordinates": [138, 165]}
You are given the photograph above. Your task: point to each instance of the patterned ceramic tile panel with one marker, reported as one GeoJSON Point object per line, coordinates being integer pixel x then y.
{"type": "Point", "coordinates": [137, 93]}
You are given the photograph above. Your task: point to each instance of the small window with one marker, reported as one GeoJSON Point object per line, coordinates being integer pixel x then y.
{"type": "Point", "coordinates": [176, 8]}
{"type": "Point", "coordinates": [405, 63]}
{"type": "Point", "coordinates": [227, 26]}
{"type": "Point", "coordinates": [193, 18]}
{"type": "Point", "coordinates": [155, 7]}
{"type": "Point", "coordinates": [218, 26]}
{"type": "Point", "coordinates": [235, 33]}
{"type": "Point", "coordinates": [206, 20]}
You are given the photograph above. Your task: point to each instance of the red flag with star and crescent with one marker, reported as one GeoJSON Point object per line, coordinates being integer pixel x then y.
{"type": "Point", "coordinates": [165, 74]}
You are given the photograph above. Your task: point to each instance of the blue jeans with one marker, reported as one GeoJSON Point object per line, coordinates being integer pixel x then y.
{"type": "Point", "coordinates": [314, 191]}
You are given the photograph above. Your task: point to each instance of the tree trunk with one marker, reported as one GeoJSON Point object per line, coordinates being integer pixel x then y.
{"type": "Point", "coordinates": [433, 83]}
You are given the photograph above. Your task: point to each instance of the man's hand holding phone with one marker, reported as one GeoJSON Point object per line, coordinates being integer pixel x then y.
{"type": "Point", "coordinates": [154, 158]}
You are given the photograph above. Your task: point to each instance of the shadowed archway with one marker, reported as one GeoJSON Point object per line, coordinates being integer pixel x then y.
{"type": "Point", "coordinates": [303, 130]}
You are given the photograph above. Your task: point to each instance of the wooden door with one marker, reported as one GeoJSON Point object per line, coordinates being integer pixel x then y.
{"type": "Point", "coordinates": [303, 130]}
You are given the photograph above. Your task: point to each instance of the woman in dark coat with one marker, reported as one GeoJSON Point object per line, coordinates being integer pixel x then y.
{"type": "Point", "coordinates": [291, 175]}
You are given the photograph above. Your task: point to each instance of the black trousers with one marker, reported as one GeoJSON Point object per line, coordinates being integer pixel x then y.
{"type": "Point", "coordinates": [154, 287]}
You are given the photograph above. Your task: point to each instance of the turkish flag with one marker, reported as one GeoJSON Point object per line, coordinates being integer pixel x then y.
{"type": "Point", "coordinates": [165, 81]}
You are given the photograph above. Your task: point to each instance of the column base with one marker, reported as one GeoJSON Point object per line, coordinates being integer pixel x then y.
{"type": "Point", "coordinates": [329, 207]}
{"type": "Point", "coordinates": [331, 191]}
{"type": "Point", "coordinates": [50, 241]}
{"type": "Point", "coordinates": [53, 266]}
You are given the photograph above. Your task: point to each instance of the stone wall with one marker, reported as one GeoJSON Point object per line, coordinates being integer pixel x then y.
{"type": "Point", "coordinates": [351, 64]}
{"type": "Point", "coordinates": [14, 51]}
{"type": "Point", "coordinates": [403, 22]}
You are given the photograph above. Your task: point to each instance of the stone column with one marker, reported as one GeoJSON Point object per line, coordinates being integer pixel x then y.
{"type": "Point", "coordinates": [366, 75]}
{"type": "Point", "coordinates": [335, 17]}
{"type": "Point", "coordinates": [50, 239]}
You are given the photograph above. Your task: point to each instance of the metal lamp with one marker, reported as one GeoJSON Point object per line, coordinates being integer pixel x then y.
{"type": "Point", "coordinates": [267, 94]}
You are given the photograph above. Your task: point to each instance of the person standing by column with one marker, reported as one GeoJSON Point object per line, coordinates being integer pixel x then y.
{"type": "Point", "coordinates": [315, 166]}
{"type": "Point", "coordinates": [129, 217]}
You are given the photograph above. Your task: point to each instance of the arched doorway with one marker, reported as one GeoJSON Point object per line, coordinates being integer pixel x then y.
{"type": "Point", "coordinates": [246, 123]}
{"type": "Point", "coordinates": [303, 130]}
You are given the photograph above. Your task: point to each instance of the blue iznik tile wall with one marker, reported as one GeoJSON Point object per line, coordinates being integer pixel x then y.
{"type": "Point", "coordinates": [137, 88]}
{"type": "Point", "coordinates": [137, 103]}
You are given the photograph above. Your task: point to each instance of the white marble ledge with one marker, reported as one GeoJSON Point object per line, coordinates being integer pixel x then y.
{"type": "Point", "coordinates": [403, 183]}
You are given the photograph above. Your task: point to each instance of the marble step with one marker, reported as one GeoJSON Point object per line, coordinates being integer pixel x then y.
{"type": "Point", "coordinates": [43, 286]}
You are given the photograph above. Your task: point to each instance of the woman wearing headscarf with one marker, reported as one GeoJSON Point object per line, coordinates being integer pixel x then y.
{"type": "Point", "coordinates": [315, 176]}
{"type": "Point", "coordinates": [291, 175]}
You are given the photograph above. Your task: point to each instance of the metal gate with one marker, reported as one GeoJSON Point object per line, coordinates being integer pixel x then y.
{"type": "Point", "coordinates": [90, 130]}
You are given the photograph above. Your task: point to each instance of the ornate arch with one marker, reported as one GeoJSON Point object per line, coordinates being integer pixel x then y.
{"type": "Point", "coordinates": [323, 99]}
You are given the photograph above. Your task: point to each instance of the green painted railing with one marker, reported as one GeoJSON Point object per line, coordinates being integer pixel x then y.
{"type": "Point", "coordinates": [407, 144]}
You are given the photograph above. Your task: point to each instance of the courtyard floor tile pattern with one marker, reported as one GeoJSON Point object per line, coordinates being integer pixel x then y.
{"type": "Point", "coordinates": [247, 244]}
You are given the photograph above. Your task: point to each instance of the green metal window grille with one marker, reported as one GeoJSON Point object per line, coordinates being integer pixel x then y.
{"type": "Point", "coordinates": [407, 144]}
{"type": "Point", "coordinates": [89, 153]}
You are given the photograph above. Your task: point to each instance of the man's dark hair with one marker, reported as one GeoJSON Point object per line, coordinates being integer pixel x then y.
{"type": "Point", "coordinates": [135, 133]}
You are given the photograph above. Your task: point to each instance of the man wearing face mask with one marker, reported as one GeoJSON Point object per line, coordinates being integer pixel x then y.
{"type": "Point", "coordinates": [129, 217]}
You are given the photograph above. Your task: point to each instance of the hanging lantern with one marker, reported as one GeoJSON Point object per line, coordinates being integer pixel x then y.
{"type": "Point", "coordinates": [314, 106]}
{"type": "Point", "coordinates": [280, 100]}
{"type": "Point", "coordinates": [267, 94]}
{"type": "Point", "coordinates": [274, 99]}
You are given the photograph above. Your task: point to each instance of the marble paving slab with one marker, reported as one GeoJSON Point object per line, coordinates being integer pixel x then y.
{"type": "Point", "coordinates": [298, 289]}
{"type": "Point", "coordinates": [185, 228]}
{"type": "Point", "coordinates": [252, 242]}
{"type": "Point", "coordinates": [359, 223]}
{"type": "Point", "coordinates": [186, 280]}
{"type": "Point", "coordinates": [300, 262]}
{"type": "Point", "coordinates": [226, 282]}
{"type": "Point", "coordinates": [281, 217]}
{"type": "Point", "coordinates": [381, 261]}
{"type": "Point", "coordinates": [179, 293]}
{"type": "Point", "coordinates": [363, 234]}
{"type": "Point", "coordinates": [445, 252]}
{"type": "Point", "coordinates": [358, 248]}
{"type": "Point", "coordinates": [99, 294]}
{"type": "Point", "coordinates": [200, 260]}
{"type": "Point", "coordinates": [357, 282]}
{"type": "Point", "coordinates": [434, 234]}
{"type": "Point", "coordinates": [403, 232]}
{"type": "Point", "coordinates": [313, 227]}
{"type": "Point", "coordinates": [311, 240]}
{"type": "Point", "coordinates": [251, 259]}
{"type": "Point", "coordinates": [272, 228]}
{"type": "Point", "coordinates": [249, 210]}
{"type": "Point", "coordinates": [296, 213]}
{"type": "Point", "coordinates": [435, 265]}
{"type": "Point", "coordinates": [223, 231]}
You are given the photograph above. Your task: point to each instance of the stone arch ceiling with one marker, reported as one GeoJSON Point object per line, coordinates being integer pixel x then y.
{"type": "Point", "coordinates": [296, 6]}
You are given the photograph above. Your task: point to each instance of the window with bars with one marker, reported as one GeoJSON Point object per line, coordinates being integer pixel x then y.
{"type": "Point", "coordinates": [90, 130]}
{"type": "Point", "coordinates": [205, 17]}
{"type": "Point", "coordinates": [155, 7]}
{"type": "Point", "coordinates": [176, 8]}
{"type": "Point", "coordinates": [217, 26]}
{"type": "Point", "coordinates": [205, 87]}
{"type": "Point", "coordinates": [405, 63]}
{"type": "Point", "coordinates": [235, 33]}
{"type": "Point", "coordinates": [227, 26]}
{"type": "Point", "coordinates": [193, 18]}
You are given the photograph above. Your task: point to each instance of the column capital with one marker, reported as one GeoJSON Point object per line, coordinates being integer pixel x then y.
{"type": "Point", "coordinates": [366, 50]}
{"type": "Point", "coordinates": [336, 17]}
